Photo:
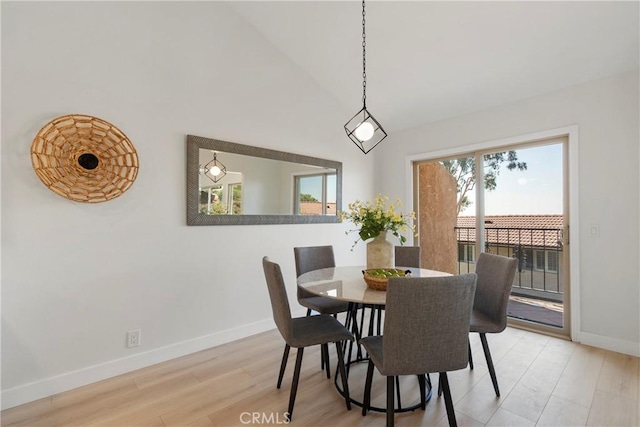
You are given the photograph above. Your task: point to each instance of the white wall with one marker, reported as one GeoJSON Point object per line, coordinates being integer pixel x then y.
{"type": "Point", "coordinates": [607, 115]}
{"type": "Point", "coordinates": [76, 277]}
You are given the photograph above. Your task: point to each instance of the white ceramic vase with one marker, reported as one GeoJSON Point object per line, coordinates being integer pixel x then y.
{"type": "Point", "coordinates": [380, 252]}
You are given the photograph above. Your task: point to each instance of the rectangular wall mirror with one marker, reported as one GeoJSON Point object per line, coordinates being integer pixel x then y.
{"type": "Point", "coordinates": [235, 184]}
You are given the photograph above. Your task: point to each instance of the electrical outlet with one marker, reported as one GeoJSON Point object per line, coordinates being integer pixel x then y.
{"type": "Point", "coordinates": [133, 338]}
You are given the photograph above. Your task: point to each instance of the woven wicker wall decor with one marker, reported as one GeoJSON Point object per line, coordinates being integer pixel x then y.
{"type": "Point", "coordinates": [84, 158]}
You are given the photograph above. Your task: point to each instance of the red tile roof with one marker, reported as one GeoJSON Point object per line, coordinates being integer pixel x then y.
{"type": "Point", "coordinates": [315, 208]}
{"type": "Point", "coordinates": [511, 230]}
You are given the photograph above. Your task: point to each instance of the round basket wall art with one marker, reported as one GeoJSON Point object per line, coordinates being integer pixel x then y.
{"type": "Point", "coordinates": [84, 158]}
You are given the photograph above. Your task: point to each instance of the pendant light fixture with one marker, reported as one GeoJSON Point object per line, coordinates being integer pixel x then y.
{"type": "Point", "coordinates": [363, 129]}
{"type": "Point", "coordinates": [214, 170]}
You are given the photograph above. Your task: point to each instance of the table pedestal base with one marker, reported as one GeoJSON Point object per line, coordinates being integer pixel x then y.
{"type": "Point", "coordinates": [407, 389]}
{"type": "Point", "coordinates": [356, 365]}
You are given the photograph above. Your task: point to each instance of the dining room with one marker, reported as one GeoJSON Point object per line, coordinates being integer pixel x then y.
{"type": "Point", "coordinates": [143, 309]}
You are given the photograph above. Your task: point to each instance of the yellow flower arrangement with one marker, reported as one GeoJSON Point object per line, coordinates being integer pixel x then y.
{"type": "Point", "coordinates": [375, 217]}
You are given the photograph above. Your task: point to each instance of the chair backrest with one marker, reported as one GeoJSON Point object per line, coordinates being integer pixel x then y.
{"type": "Point", "coordinates": [408, 256]}
{"type": "Point", "coordinates": [495, 278]}
{"type": "Point", "coordinates": [311, 258]}
{"type": "Point", "coordinates": [278, 297]}
{"type": "Point", "coordinates": [426, 327]}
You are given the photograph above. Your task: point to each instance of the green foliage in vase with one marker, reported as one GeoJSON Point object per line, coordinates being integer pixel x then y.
{"type": "Point", "coordinates": [373, 218]}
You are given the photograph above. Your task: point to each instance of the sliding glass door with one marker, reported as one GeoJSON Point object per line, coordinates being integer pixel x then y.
{"type": "Point", "coordinates": [515, 205]}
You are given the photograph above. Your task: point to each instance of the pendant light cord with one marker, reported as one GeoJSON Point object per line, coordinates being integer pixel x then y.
{"type": "Point", "coordinates": [363, 129]}
{"type": "Point", "coordinates": [364, 60]}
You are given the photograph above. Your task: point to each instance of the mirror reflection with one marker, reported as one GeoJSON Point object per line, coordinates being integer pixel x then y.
{"type": "Point", "coordinates": [257, 186]}
{"type": "Point", "coordinates": [240, 184]}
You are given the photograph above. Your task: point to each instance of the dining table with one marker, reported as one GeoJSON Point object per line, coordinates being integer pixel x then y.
{"type": "Point", "coordinates": [347, 284]}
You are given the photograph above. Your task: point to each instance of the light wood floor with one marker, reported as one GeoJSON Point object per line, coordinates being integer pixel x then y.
{"type": "Point", "coordinates": [544, 381]}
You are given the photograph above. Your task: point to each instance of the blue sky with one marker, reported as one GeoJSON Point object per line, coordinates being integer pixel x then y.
{"type": "Point", "coordinates": [537, 190]}
{"type": "Point", "coordinates": [313, 185]}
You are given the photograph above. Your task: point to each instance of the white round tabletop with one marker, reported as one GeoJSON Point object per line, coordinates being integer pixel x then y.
{"type": "Point", "coordinates": [347, 283]}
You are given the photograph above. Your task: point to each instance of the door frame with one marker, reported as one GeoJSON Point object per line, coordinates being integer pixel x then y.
{"type": "Point", "coordinates": [571, 173]}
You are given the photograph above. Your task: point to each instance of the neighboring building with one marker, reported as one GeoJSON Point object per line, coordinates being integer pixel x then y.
{"type": "Point", "coordinates": [535, 240]}
{"type": "Point", "coordinates": [315, 208]}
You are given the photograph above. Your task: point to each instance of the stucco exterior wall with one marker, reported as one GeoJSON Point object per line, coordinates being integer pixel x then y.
{"type": "Point", "coordinates": [437, 218]}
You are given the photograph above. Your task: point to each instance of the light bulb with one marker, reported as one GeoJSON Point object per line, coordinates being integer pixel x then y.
{"type": "Point", "coordinates": [215, 171]}
{"type": "Point", "coordinates": [364, 131]}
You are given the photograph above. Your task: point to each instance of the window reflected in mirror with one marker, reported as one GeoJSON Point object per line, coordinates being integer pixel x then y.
{"type": "Point", "coordinates": [234, 202]}
{"type": "Point", "coordinates": [316, 194]}
{"type": "Point", "coordinates": [211, 201]}
{"type": "Point", "coordinates": [267, 186]}
{"type": "Point", "coordinates": [221, 199]}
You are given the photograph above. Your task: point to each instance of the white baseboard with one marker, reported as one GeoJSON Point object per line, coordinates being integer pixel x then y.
{"type": "Point", "coordinates": [70, 380]}
{"type": "Point", "coordinates": [608, 343]}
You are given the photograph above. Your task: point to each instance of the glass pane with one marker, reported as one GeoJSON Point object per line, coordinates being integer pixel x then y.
{"type": "Point", "coordinates": [552, 261]}
{"type": "Point", "coordinates": [310, 190]}
{"type": "Point", "coordinates": [211, 201]}
{"type": "Point", "coordinates": [235, 199]}
{"type": "Point", "coordinates": [331, 194]}
{"type": "Point", "coordinates": [539, 260]}
{"type": "Point", "coordinates": [524, 219]}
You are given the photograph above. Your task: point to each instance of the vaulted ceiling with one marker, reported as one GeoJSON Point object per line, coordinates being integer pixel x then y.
{"type": "Point", "coordinates": [427, 61]}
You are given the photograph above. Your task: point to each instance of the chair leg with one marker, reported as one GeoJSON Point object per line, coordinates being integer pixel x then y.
{"type": "Point", "coordinates": [347, 319]}
{"type": "Point", "coordinates": [325, 357]}
{"type": "Point", "coordinates": [294, 384]}
{"type": "Point", "coordinates": [470, 358]}
{"type": "Point", "coordinates": [423, 392]}
{"type": "Point", "coordinates": [354, 330]}
{"type": "Point", "coordinates": [308, 312]}
{"type": "Point", "coordinates": [343, 374]}
{"type": "Point", "coordinates": [372, 315]}
{"type": "Point", "coordinates": [361, 329]}
{"type": "Point", "coordinates": [448, 402]}
{"type": "Point", "coordinates": [398, 392]}
{"type": "Point", "coordinates": [283, 365]}
{"type": "Point", "coordinates": [391, 382]}
{"type": "Point", "coordinates": [487, 355]}
{"type": "Point", "coordinates": [366, 401]}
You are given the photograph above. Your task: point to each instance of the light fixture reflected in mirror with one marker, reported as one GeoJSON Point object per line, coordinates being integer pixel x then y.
{"type": "Point", "coordinates": [363, 129]}
{"type": "Point", "coordinates": [214, 170]}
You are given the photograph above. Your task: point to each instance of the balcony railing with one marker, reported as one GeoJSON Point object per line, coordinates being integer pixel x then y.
{"type": "Point", "coordinates": [538, 250]}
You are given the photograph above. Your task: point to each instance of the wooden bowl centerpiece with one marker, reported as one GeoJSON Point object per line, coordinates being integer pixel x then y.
{"type": "Point", "coordinates": [377, 278]}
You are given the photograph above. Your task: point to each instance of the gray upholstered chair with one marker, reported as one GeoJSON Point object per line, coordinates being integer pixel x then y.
{"type": "Point", "coordinates": [489, 316]}
{"type": "Point", "coordinates": [303, 331]}
{"type": "Point", "coordinates": [314, 258]}
{"type": "Point", "coordinates": [426, 329]}
{"type": "Point", "coordinates": [408, 256]}
{"type": "Point", "coordinates": [311, 258]}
